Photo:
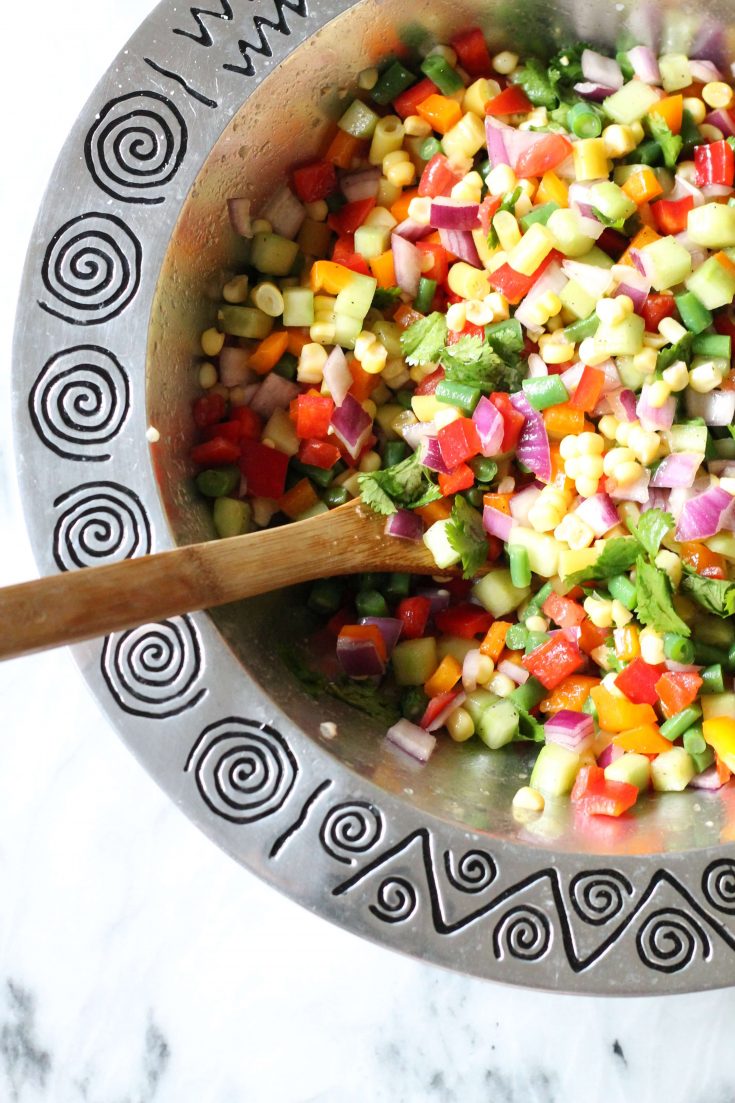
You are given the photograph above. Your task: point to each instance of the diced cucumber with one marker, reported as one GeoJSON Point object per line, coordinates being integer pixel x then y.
{"type": "Point", "coordinates": [668, 263]}
{"type": "Point", "coordinates": [612, 201]}
{"type": "Point", "coordinates": [633, 768]}
{"type": "Point", "coordinates": [298, 306]}
{"type": "Point", "coordinates": [497, 594]}
{"type": "Point", "coordinates": [717, 704]}
{"type": "Point", "coordinates": [346, 330]}
{"type": "Point", "coordinates": [597, 257]}
{"type": "Point", "coordinates": [414, 661]}
{"type": "Point", "coordinates": [477, 702]}
{"type": "Point", "coordinates": [566, 227]}
{"type": "Point", "coordinates": [244, 321]}
{"type": "Point", "coordinates": [577, 299]}
{"type": "Point", "coordinates": [454, 646]}
{"type": "Point", "coordinates": [272, 254]}
{"type": "Point", "coordinates": [358, 120]}
{"type": "Point", "coordinates": [371, 241]}
{"type": "Point", "coordinates": [543, 550]}
{"type": "Point", "coordinates": [624, 338]}
{"type": "Point", "coordinates": [389, 335]}
{"type": "Point", "coordinates": [630, 103]}
{"type": "Point", "coordinates": [723, 544]}
{"type": "Point", "coordinates": [713, 284]}
{"type": "Point", "coordinates": [355, 299]}
{"type": "Point", "coordinates": [672, 771]}
{"type": "Point", "coordinates": [675, 72]}
{"type": "Point", "coordinates": [436, 539]}
{"type": "Point", "coordinates": [231, 516]}
{"type": "Point", "coordinates": [555, 770]}
{"type": "Point", "coordinates": [498, 724]}
{"type": "Point", "coordinates": [686, 438]}
{"type": "Point", "coordinates": [630, 376]}
{"type": "Point", "coordinates": [712, 225]}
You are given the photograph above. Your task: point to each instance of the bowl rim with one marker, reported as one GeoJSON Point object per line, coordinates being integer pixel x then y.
{"type": "Point", "coordinates": [241, 769]}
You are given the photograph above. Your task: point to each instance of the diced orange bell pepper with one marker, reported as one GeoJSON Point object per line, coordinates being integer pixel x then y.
{"type": "Point", "coordinates": [571, 694]}
{"type": "Point", "coordinates": [677, 690]}
{"type": "Point", "coordinates": [644, 237]}
{"type": "Point", "coordinates": [591, 637]}
{"type": "Point", "coordinates": [446, 675]}
{"type": "Point", "coordinates": [327, 276]}
{"type": "Point", "coordinates": [500, 502]}
{"type": "Point", "coordinates": [363, 383]}
{"type": "Point", "coordinates": [298, 499]}
{"type": "Point", "coordinates": [645, 739]}
{"type": "Point", "coordinates": [269, 352]}
{"type": "Point", "coordinates": [343, 149]}
{"type": "Point", "coordinates": [627, 643]}
{"type": "Point", "coordinates": [618, 714]}
{"type": "Point", "coordinates": [399, 209]}
{"type": "Point", "coordinates": [440, 113]}
{"type": "Point", "coordinates": [494, 641]}
{"type": "Point", "coordinates": [701, 559]}
{"type": "Point", "coordinates": [642, 186]}
{"type": "Point", "coordinates": [563, 420]}
{"type": "Point", "coordinates": [383, 269]}
{"type": "Point", "coordinates": [405, 316]}
{"type": "Point", "coordinates": [440, 510]}
{"type": "Point", "coordinates": [671, 110]}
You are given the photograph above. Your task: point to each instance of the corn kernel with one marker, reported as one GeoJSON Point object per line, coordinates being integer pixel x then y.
{"type": "Point", "coordinates": [527, 799]}
{"type": "Point", "coordinates": [449, 55]}
{"type": "Point", "coordinates": [624, 430]}
{"type": "Point", "coordinates": [212, 341]}
{"type": "Point", "coordinates": [311, 363]}
{"type": "Point", "coordinates": [236, 290]}
{"type": "Point", "coordinates": [523, 205]}
{"type": "Point", "coordinates": [500, 180]}
{"type": "Point", "coordinates": [537, 624]}
{"type": "Point", "coordinates": [574, 532]}
{"type": "Point", "coordinates": [599, 611]}
{"type": "Point", "coordinates": [508, 485]}
{"type": "Point", "coordinates": [628, 473]}
{"type": "Point", "coordinates": [592, 353]}
{"type": "Point", "coordinates": [419, 209]}
{"type": "Point", "coordinates": [590, 159]}
{"type": "Point", "coordinates": [676, 376]}
{"type": "Point", "coordinates": [505, 62]}
{"type": "Point", "coordinates": [457, 317]}
{"type": "Point", "coordinates": [262, 226]}
{"type": "Point", "coordinates": [592, 466]}
{"type": "Point", "coordinates": [618, 140]}
{"type": "Point", "coordinates": [548, 510]}
{"type": "Point", "coordinates": [613, 311]}
{"type": "Point", "coordinates": [717, 94]}
{"type": "Point", "coordinates": [645, 444]}
{"type": "Point", "coordinates": [478, 94]}
{"type": "Point", "coordinates": [207, 376]}
{"type": "Point", "coordinates": [672, 330]}
{"type": "Point", "coordinates": [638, 131]}
{"type": "Point", "coordinates": [400, 174]}
{"type": "Point", "coordinates": [370, 462]}
{"type": "Point", "coordinates": [591, 444]}
{"type": "Point", "coordinates": [367, 79]}
{"type": "Point", "coordinates": [485, 669]}
{"type": "Point", "coordinates": [498, 304]}
{"type": "Point", "coordinates": [369, 407]}
{"type": "Point", "coordinates": [416, 127]}
{"type": "Point", "coordinates": [614, 458]}
{"type": "Point", "coordinates": [608, 426]}
{"type": "Point", "coordinates": [654, 341]}
{"type": "Point", "coordinates": [538, 117]}
{"type": "Point", "coordinates": [446, 417]}
{"type": "Point", "coordinates": [317, 211]}
{"type": "Point", "coordinates": [652, 646]}
{"type": "Point", "coordinates": [501, 685]}
{"type": "Point", "coordinates": [711, 133]}
{"type": "Point", "coordinates": [645, 361]}
{"type": "Point", "coordinates": [462, 142]}
{"type": "Point", "coordinates": [610, 684]}
{"type": "Point", "coordinates": [479, 313]}
{"type": "Point", "coordinates": [659, 393]}
{"type": "Point", "coordinates": [586, 486]}
{"type": "Point", "coordinates": [671, 563]}
{"type": "Point", "coordinates": [374, 358]}
{"type": "Point", "coordinates": [704, 378]}
{"type": "Point", "coordinates": [507, 229]}
{"type": "Point", "coordinates": [568, 447]}
{"type": "Point", "coordinates": [460, 725]}
{"type": "Point", "coordinates": [468, 282]}
{"type": "Point", "coordinates": [696, 109]}
{"type": "Point", "coordinates": [532, 250]}
{"type": "Point", "coordinates": [621, 615]}
{"type": "Point", "coordinates": [469, 189]}
{"type": "Point", "coordinates": [555, 349]}
{"type": "Point", "coordinates": [574, 467]}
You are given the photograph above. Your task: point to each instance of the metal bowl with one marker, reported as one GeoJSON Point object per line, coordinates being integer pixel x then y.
{"type": "Point", "coordinates": [123, 273]}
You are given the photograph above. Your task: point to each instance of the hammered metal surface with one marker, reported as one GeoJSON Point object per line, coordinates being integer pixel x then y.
{"type": "Point", "coordinates": [122, 274]}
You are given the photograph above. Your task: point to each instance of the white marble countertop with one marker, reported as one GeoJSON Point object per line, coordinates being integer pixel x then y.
{"type": "Point", "coordinates": [137, 962]}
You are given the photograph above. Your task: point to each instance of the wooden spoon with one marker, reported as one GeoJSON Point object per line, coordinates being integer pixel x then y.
{"type": "Point", "coordinates": [95, 601]}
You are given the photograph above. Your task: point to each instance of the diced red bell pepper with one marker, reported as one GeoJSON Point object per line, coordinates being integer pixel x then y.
{"type": "Point", "coordinates": [315, 181]}
{"type": "Point", "coordinates": [543, 156]}
{"type": "Point", "coordinates": [469, 330]}
{"type": "Point", "coordinates": [344, 253]}
{"type": "Point", "coordinates": [336, 623]}
{"type": "Point", "coordinates": [437, 705]}
{"type": "Point", "coordinates": [595, 795]}
{"type": "Point", "coordinates": [215, 452]}
{"type": "Point", "coordinates": [438, 178]}
{"type": "Point", "coordinates": [408, 101]}
{"type": "Point", "coordinates": [347, 219]}
{"type": "Point", "coordinates": [565, 613]}
{"type": "Point", "coordinates": [702, 559]}
{"type": "Point", "coordinates": [678, 690]}
{"type": "Point", "coordinates": [429, 383]}
{"type": "Point", "coordinates": [251, 424]}
{"type": "Point", "coordinates": [511, 101]}
{"type": "Point", "coordinates": [553, 661]}
{"type": "Point", "coordinates": [514, 285]}
{"type": "Point", "coordinates": [670, 215]}
{"type": "Point", "coordinates": [461, 478]}
{"type": "Point", "coordinates": [465, 620]}
{"type": "Point", "coordinates": [208, 409]}
{"type": "Point", "coordinates": [439, 260]}
{"type": "Point", "coordinates": [472, 52]}
{"type": "Point", "coordinates": [714, 164]}
{"type": "Point", "coordinates": [655, 309]}
{"type": "Point", "coordinates": [228, 430]}
{"type": "Point", "coordinates": [513, 420]}
{"type": "Point", "coordinates": [319, 453]}
{"type": "Point", "coordinates": [413, 613]}
{"type": "Point", "coordinates": [459, 442]}
{"type": "Point", "coordinates": [313, 415]}
{"type": "Point", "coordinates": [638, 682]}
{"type": "Point", "coordinates": [264, 468]}
{"type": "Point", "coordinates": [588, 390]}
{"type": "Point", "coordinates": [487, 211]}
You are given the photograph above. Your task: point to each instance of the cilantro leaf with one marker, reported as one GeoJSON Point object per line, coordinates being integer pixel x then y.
{"type": "Point", "coordinates": [651, 529]}
{"type": "Point", "coordinates": [405, 485]}
{"type": "Point", "coordinates": [529, 727]}
{"type": "Point", "coordinates": [385, 297]}
{"type": "Point", "coordinates": [713, 594]}
{"type": "Point", "coordinates": [467, 536]}
{"type": "Point", "coordinates": [669, 143]}
{"type": "Point", "coordinates": [508, 204]}
{"type": "Point", "coordinates": [423, 341]}
{"type": "Point", "coordinates": [537, 83]}
{"type": "Point", "coordinates": [366, 697]}
{"type": "Point", "coordinates": [505, 338]}
{"type": "Point", "coordinates": [553, 85]}
{"type": "Point", "coordinates": [682, 350]}
{"type": "Point", "coordinates": [654, 605]}
{"type": "Point", "coordinates": [613, 223]}
{"type": "Point", "coordinates": [618, 556]}
{"type": "Point", "coordinates": [565, 67]}
{"type": "Point", "coordinates": [476, 363]}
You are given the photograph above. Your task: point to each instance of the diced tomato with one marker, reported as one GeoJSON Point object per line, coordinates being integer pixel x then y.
{"type": "Point", "coordinates": [408, 101]}
{"type": "Point", "coordinates": [638, 682]}
{"type": "Point", "coordinates": [565, 613]}
{"type": "Point", "coordinates": [464, 620]}
{"type": "Point", "coordinates": [413, 613]}
{"type": "Point", "coordinates": [348, 218]}
{"type": "Point", "coordinates": [472, 52]}
{"type": "Point", "coordinates": [264, 468]}
{"type": "Point", "coordinates": [228, 430]}
{"type": "Point", "coordinates": [469, 330]}
{"type": "Point", "coordinates": [438, 177]}
{"type": "Point", "coordinates": [429, 383]}
{"type": "Point", "coordinates": [208, 409]}
{"type": "Point", "coordinates": [588, 390]}
{"type": "Point", "coordinates": [514, 285]}
{"type": "Point", "coordinates": [553, 661]}
{"type": "Point", "coordinates": [439, 260]}
{"type": "Point", "coordinates": [344, 253]}
{"type": "Point", "coordinates": [725, 323]}
{"type": "Point", "coordinates": [313, 415]}
{"type": "Point", "coordinates": [315, 181]}
{"type": "Point", "coordinates": [670, 215]}
{"type": "Point", "coordinates": [513, 420]}
{"type": "Point", "coordinates": [595, 795]}
{"type": "Point", "coordinates": [458, 442]}
{"type": "Point", "coordinates": [461, 478]}
{"type": "Point", "coordinates": [215, 452]}
{"type": "Point", "coordinates": [714, 164]}
{"type": "Point", "coordinates": [437, 705]}
{"type": "Point", "coordinates": [251, 424]}
{"type": "Point", "coordinates": [656, 308]}
{"type": "Point", "coordinates": [511, 101]}
{"type": "Point", "coordinates": [543, 156]}
{"type": "Point", "coordinates": [487, 210]}
{"type": "Point", "coordinates": [319, 453]}
{"type": "Point", "coordinates": [678, 690]}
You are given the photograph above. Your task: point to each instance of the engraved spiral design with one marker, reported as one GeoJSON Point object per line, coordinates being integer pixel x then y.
{"type": "Point", "coordinates": [396, 900]}
{"type": "Point", "coordinates": [474, 871]}
{"type": "Point", "coordinates": [91, 269]}
{"type": "Point", "coordinates": [136, 146]}
{"type": "Point", "coordinates": [244, 770]}
{"type": "Point", "coordinates": [350, 829]}
{"type": "Point", "coordinates": [80, 402]}
{"type": "Point", "coordinates": [718, 885]}
{"type": "Point", "coordinates": [598, 896]}
{"type": "Point", "coordinates": [668, 939]}
{"type": "Point", "coordinates": [155, 670]}
{"type": "Point", "coordinates": [99, 523]}
{"type": "Point", "coordinates": [523, 933]}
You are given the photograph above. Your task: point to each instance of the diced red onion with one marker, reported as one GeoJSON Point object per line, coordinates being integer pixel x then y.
{"type": "Point", "coordinates": [594, 280]}
{"type": "Point", "coordinates": [633, 492]}
{"type": "Point", "coordinates": [274, 393]}
{"type": "Point", "coordinates": [471, 665]}
{"type": "Point", "coordinates": [522, 502]}
{"type": "Point", "coordinates": [247, 395]}
{"type": "Point", "coordinates": [390, 629]}
{"type": "Point", "coordinates": [452, 214]}
{"type": "Point", "coordinates": [284, 212]}
{"type": "Point", "coordinates": [724, 120]}
{"type": "Point", "coordinates": [655, 417]}
{"type": "Point", "coordinates": [490, 426]}
{"type": "Point", "coordinates": [456, 699]}
{"type": "Point", "coordinates": [495, 136]}
{"type": "Point", "coordinates": [722, 468]}
{"type": "Point", "coordinates": [640, 263]}
{"type": "Point", "coordinates": [635, 294]}
{"type": "Point", "coordinates": [702, 515]}
{"type": "Point", "coordinates": [609, 754]}
{"type": "Point", "coordinates": [552, 279]}
{"type": "Point", "coordinates": [645, 65]}
{"type": "Point", "coordinates": [414, 434]}
{"type": "Point", "coordinates": [407, 262]}
{"type": "Point", "coordinates": [437, 597]}
{"type": "Point", "coordinates": [677, 469]}
{"type": "Point", "coordinates": [599, 513]}
{"type": "Point", "coordinates": [405, 525]}
{"type": "Point", "coordinates": [497, 523]}
{"type": "Point", "coordinates": [359, 658]}
{"type": "Point", "coordinates": [717, 191]}
{"type": "Point", "coordinates": [683, 189]}
{"type": "Point", "coordinates": [566, 171]}
{"type": "Point", "coordinates": [517, 142]}
{"type": "Point", "coordinates": [430, 455]}
{"type": "Point", "coordinates": [361, 185]}
{"type": "Point", "coordinates": [590, 227]}
{"type": "Point", "coordinates": [462, 245]}
{"type": "Point", "coordinates": [589, 90]}
{"type": "Point", "coordinates": [708, 780]}
{"type": "Point", "coordinates": [412, 231]}
{"type": "Point", "coordinates": [337, 375]}
{"type": "Point", "coordinates": [533, 449]}
{"type": "Point", "coordinates": [703, 70]}
{"type": "Point", "coordinates": [351, 425]}
{"type": "Point", "coordinates": [572, 730]}
{"type": "Point", "coordinates": [537, 366]}
{"type": "Point", "coordinates": [622, 403]}
{"type": "Point", "coordinates": [233, 367]}
{"type": "Point", "coordinates": [412, 739]}
{"type": "Point", "coordinates": [514, 671]}
{"type": "Point", "coordinates": [658, 498]}
{"type": "Point", "coordinates": [717, 407]}
{"type": "Point", "coordinates": [612, 376]}
{"type": "Point", "coordinates": [681, 668]}
{"type": "Point", "coordinates": [571, 377]}
{"type": "Point", "coordinates": [239, 214]}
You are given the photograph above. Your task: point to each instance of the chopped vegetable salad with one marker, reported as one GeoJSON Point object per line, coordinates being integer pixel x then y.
{"type": "Point", "coordinates": [499, 309]}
